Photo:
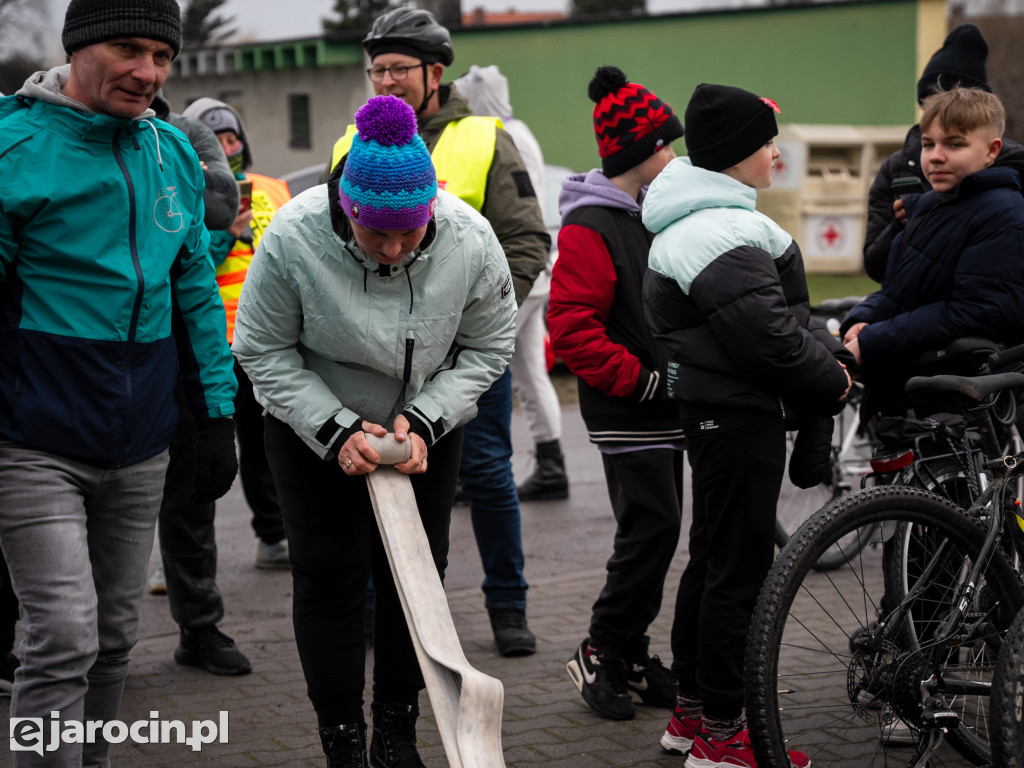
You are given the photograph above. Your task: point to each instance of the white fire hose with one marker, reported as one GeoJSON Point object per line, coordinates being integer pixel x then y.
{"type": "Point", "coordinates": [467, 704]}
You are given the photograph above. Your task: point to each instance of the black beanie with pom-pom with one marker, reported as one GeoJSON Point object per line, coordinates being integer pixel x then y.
{"type": "Point", "coordinates": [630, 122]}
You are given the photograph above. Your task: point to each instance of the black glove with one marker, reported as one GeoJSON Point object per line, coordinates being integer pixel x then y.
{"type": "Point", "coordinates": [812, 450]}
{"type": "Point", "coordinates": [216, 462]}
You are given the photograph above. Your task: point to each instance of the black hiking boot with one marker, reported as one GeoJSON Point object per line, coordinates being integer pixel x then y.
{"type": "Point", "coordinates": [548, 481]}
{"type": "Point", "coordinates": [344, 745]}
{"type": "Point", "coordinates": [210, 649]}
{"type": "Point", "coordinates": [511, 633]}
{"type": "Point", "coordinates": [394, 736]}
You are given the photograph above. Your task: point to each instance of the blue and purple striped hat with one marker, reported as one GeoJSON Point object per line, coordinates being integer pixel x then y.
{"type": "Point", "coordinates": [389, 181]}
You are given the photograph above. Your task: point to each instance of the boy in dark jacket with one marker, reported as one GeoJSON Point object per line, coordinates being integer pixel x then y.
{"type": "Point", "coordinates": [957, 269]}
{"type": "Point", "coordinates": [959, 63]}
{"type": "Point", "coordinates": [727, 301]}
{"type": "Point", "coordinates": [595, 318]}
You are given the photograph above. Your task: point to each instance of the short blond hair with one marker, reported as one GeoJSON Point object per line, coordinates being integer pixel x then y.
{"type": "Point", "coordinates": [964, 110]}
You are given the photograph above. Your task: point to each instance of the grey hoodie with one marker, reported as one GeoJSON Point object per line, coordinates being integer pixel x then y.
{"type": "Point", "coordinates": [200, 107]}
{"type": "Point", "coordinates": [594, 188]}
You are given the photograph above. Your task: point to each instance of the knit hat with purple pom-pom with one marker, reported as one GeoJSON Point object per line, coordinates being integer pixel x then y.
{"type": "Point", "coordinates": [389, 181]}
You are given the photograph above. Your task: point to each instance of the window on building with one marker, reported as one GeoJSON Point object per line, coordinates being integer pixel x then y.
{"type": "Point", "coordinates": [300, 135]}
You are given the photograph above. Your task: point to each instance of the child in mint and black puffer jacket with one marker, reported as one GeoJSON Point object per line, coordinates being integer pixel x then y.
{"type": "Point", "coordinates": [726, 299]}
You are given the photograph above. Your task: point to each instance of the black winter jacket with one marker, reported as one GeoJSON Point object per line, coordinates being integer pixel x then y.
{"type": "Point", "coordinates": [882, 228]}
{"type": "Point", "coordinates": [726, 298]}
{"type": "Point", "coordinates": [956, 270]}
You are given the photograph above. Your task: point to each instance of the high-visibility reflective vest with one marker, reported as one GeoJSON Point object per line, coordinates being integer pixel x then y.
{"type": "Point", "coordinates": [268, 194]}
{"type": "Point", "coordinates": [462, 156]}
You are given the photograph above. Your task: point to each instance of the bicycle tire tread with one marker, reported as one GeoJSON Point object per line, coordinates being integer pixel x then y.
{"type": "Point", "coordinates": [1007, 698]}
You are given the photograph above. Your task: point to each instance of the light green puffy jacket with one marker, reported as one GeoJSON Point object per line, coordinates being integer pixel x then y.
{"type": "Point", "coordinates": [328, 341]}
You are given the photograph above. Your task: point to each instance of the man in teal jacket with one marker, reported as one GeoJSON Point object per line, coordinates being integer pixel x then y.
{"type": "Point", "coordinates": [107, 292]}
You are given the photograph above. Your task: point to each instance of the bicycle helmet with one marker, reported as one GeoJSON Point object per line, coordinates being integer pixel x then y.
{"type": "Point", "coordinates": [410, 31]}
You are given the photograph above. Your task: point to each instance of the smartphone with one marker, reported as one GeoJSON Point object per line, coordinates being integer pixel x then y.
{"type": "Point", "coordinates": [244, 195]}
{"type": "Point", "coordinates": [908, 185]}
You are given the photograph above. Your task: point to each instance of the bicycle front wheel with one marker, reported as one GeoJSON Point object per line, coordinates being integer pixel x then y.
{"type": "Point", "coordinates": [828, 669]}
{"type": "Point", "coordinates": [1008, 699]}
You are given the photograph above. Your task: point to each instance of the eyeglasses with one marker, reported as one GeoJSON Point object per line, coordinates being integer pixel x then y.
{"type": "Point", "coordinates": [398, 73]}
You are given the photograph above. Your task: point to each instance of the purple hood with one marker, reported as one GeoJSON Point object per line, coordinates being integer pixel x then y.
{"type": "Point", "coordinates": [594, 188]}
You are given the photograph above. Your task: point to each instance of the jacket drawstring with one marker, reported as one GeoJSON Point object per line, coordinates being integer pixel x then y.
{"type": "Point", "coordinates": [156, 135]}
{"type": "Point", "coordinates": [408, 279]}
{"type": "Point", "coordinates": [366, 274]}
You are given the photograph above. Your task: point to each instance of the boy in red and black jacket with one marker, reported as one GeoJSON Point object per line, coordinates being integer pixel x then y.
{"type": "Point", "coordinates": [597, 327]}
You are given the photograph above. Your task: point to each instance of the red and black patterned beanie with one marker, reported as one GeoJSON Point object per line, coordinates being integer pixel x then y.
{"type": "Point", "coordinates": [630, 122]}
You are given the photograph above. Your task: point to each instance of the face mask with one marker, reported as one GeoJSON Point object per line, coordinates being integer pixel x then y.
{"type": "Point", "coordinates": [235, 162]}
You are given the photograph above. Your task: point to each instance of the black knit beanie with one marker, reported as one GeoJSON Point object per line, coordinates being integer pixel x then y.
{"type": "Point", "coordinates": [725, 125]}
{"type": "Point", "coordinates": [94, 21]}
{"type": "Point", "coordinates": [630, 122]}
{"type": "Point", "coordinates": [959, 63]}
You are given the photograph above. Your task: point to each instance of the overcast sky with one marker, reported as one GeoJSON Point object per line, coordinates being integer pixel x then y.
{"type": "Point", "coordinates": [283, 19]}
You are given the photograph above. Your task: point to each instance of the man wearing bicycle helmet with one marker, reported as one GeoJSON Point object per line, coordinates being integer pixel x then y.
{"type": "Point", "coordinates": [476, 160]}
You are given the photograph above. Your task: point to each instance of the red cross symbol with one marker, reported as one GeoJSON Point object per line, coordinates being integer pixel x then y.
{"type": "Point", "coordinates": [831, 234]}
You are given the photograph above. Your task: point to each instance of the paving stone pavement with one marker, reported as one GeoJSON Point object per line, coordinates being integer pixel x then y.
{"type": "Point", "coordinates": [271, 722]}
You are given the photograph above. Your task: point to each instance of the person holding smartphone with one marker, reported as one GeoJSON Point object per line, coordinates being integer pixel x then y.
{"type": "Point", "coordinates": [187, 545]}
{"type": "Point", "coordinates": [959, 63]}
{"type": "Point", "coordinates": [957, 267]}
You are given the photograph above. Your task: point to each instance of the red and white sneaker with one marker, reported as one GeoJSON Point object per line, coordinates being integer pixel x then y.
{"type": "Point", "coordinates": [734, 753]}
{"type": "Point", "coordinates": [678, 737]}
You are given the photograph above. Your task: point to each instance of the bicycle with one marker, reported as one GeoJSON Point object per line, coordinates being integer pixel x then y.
{"type": "Point", "coordinates": [905, 632]}
{"type": "Point", "coordinates": [928, 454]}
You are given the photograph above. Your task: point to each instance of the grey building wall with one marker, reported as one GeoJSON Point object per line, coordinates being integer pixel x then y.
{"type": "Point", "coordinates": [263, 97]}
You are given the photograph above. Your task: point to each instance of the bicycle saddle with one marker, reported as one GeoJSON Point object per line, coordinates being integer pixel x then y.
{"type": "Point", "coordinates": [972, 389]}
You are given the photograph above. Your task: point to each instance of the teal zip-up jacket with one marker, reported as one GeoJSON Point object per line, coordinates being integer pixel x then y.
{"type": "Point", "coordinates": [107, 290]}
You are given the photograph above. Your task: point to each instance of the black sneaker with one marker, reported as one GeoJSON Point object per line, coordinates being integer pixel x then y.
{"type": "Point", "coordinates": [7, 667]}
{"type": "Point", "coordinates": [511, 634]}
{"type": "Point", "coordinates": [210, 649]}
{"type": "Point", "coordinates": [601, 678]}
{"type": "Point", "coordinates": [650, 682]}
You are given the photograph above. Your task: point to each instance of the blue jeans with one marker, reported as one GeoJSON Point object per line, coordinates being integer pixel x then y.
{"type": "Point", "coordinates": [486, 475]}
{"type": "Point", "coordinates": [77, 541]}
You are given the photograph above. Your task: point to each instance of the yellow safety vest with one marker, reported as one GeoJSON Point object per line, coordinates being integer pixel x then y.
{"type": "Point", "coordinates": [268, 194]}
{"type": "Point", "coordinates": [462, 156]}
